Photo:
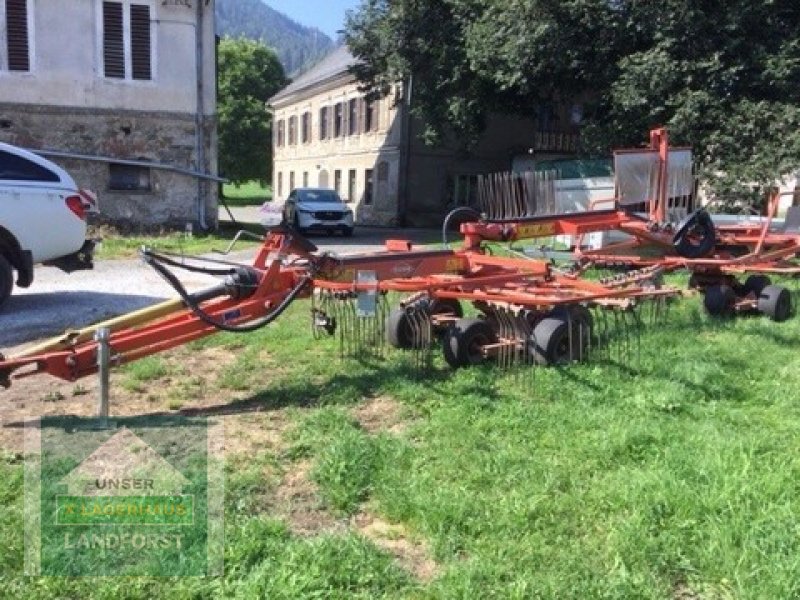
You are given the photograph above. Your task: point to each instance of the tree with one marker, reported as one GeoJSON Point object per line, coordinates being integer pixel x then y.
{"type": "Point", "coordinates": [723, 76]}
{"type": "Point", "coordinates": [249, 74]}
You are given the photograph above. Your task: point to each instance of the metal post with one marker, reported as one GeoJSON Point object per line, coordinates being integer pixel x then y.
{"type": "Point", "coordinates": [102, 336]}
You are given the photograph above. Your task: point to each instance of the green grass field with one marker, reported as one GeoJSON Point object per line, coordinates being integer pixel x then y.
{"type": "Point", "coordinates": [251, 193]}
{"type": "Point", "coordinates": [673, 475]}
{"type": "Point", "coordinates": [115, 245]}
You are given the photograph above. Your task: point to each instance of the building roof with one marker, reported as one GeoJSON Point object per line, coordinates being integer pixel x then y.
{"type": "Point", "coordinates": [333, 66]}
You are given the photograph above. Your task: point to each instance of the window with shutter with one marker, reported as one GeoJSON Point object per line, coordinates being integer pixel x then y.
{"type": "Point", "coordinates": [113, 41]}
{"type": "Point", "coordinates": [17, 35]}
{"type": "Point", "coordinates": [352, 121]}
{"type": "Point", "coordinates": [140, 41]}
{"type": "Point", "coordinates": [370, 122]}
{"type": "Point", "coordinates": [127, 40]}
{"type": "Point", "coordinates": [323, 123]}
{"type": "Point", "coordinates": [338, 119]}
{"type": "Point", "coordinates": [306, 128]}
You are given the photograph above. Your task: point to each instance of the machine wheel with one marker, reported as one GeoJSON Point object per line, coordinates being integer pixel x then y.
{"type": "Point", "coordinates": [578, 312]}
{"type": "Point", "coordinates": [719, 300]}
{"type": "Point", "coordinates": [444, 306]}
{"type": "Point", "coordinates": [775, 301]}
{"type": "Point", "coordinates": [554, 344]}
{"type": "Point", "coordinates": [463, 342]}
{"type": "Point", "coordinates": [695, 236]}
{"type": "Point", "coordinates": [6, 280]}
{"type": "Point", "coordinates": [756, 284]}
{"type": "Point", "coordinates": [398, 330]}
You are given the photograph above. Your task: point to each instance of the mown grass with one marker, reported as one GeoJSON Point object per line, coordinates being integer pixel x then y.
{"type": "Point", "coordinates": [252, 193]}
{"type": "Point", "coordinates": [673, 473]}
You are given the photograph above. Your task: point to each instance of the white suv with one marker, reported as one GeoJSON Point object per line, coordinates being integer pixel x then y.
{"type": "Point", "coordinates": [42, 218]}
{"type": "Point", "coordinates": [318, 209]}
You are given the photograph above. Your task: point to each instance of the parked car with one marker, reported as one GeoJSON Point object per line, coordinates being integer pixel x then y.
{"type": "Point", "coordinates": [318, 209]}
{"type": "Point", "coordinates": [42, 218]}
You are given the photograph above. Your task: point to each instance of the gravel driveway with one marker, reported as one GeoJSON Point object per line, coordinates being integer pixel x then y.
{"type": "Point", "coordinates": [57, 301]}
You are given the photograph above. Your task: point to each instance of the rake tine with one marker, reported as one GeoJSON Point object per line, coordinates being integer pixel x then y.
{"type": "Point", "coordinates": [355, 342]}
{"type": "Point", "coordinates": [508, 335]}
{"type": "Point", "coordinates": [570, 344]}
{"type": "Point", "coordinates": [341, 317]}
{"type": "Point", "coordinates": [620, 333]}
{"type": "Point", "coordinates": [502, 331]}
{"type": "Point", "coordinates": [638, 327]}
{"type": "Point", "coordinates": [606, 333]}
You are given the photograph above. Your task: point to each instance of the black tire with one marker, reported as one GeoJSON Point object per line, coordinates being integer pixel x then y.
{"type": "Point", "coordinates": [775, 301]}
{"type": "Point", "coordinates": [446, 306]}
{"type": "Point", "coordinates": [719, 300]}
{"type": "Point", "coordinates": [696, 236]}
{"type": "Point", "coordinates": [6, 280]}
{"type": "Point", "coordinates": [557, 342]}
{"type": "Point", "coordinates": [756, 284]}
{"type": "Point", "coordinates": [578, 312]}
{"type": "Point", "coordinates": [463, 341]}
{"type": "Point", "coordinates": [399, 333]}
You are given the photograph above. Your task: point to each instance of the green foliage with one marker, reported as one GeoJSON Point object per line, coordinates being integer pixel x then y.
{"type": "Point", "coordinates": [249, 74]}
{"type": "Point", "coordinates": [723, 76]}
{"type": "Point", "coordinates": [297, 47]}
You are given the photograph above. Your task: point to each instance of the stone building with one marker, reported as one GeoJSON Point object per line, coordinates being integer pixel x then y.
{"type": "Point", "coordinates": [326, 134]}
{"type": "Point", "coordinates": [122, 93]}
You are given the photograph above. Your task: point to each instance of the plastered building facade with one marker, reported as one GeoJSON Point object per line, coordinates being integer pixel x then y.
{"type": "Point", "coordinates": [122, 94]}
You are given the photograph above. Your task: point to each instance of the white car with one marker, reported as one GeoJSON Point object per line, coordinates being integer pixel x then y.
{"type": "Point", "coordinates": [318, 209]}
{"type": "Point", "coordinates": [42, 218]}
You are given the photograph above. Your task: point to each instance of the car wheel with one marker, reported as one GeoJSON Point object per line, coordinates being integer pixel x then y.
{"type": "Point", "coordinates": [296, 224]}
{"type": "Point", "coordinates": [6, 279]}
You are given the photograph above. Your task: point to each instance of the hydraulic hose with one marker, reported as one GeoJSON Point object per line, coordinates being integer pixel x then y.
{"type": "Point", "coordinates": [166, 259]}
{"type": "Point", "coordinates": [191, 301]}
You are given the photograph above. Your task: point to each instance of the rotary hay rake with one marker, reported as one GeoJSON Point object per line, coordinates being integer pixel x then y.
{"type": "Point", "coordinates": [654, 188]}
{"type": "Point", "coordinates": [529, 312]}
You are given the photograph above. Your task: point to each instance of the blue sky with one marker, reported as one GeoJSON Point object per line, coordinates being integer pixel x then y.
{"type": "Point", "coordinates": [325, 15]}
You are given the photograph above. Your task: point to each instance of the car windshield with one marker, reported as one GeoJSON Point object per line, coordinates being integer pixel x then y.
{"type": "Point", "coordinates": [318, 196]}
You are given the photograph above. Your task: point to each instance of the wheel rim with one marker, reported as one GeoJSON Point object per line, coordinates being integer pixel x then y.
{"type": "Point", "coordinates": [561, 351]}
{"type": "Point", "coordinates": [474, 348]}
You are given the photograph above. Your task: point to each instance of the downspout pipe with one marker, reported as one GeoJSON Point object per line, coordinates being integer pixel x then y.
{"type": "Point", "coordinates": [199, 116]}
{"type": "Point", "coordinates": [405, 152]}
